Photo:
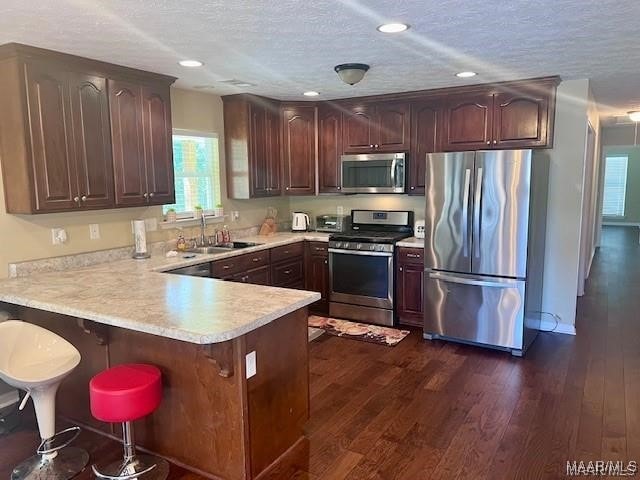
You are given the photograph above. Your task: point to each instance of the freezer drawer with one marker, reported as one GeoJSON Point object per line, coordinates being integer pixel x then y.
{"type": "Point", "coordinates": [473, 308]}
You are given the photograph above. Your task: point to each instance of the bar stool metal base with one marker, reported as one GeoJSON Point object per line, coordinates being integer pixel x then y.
{"type": "Point", "coordinates": [145, 467]}
{"type": "Point", "coordinates": [66, 464]}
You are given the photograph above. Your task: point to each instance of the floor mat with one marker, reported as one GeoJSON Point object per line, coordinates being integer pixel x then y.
{"type": "Point", "coordinates": [359, 331]}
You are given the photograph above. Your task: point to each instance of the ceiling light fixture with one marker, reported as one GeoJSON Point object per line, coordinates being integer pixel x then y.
{"type": "Point", "coordinates": [392, 27]}
{"type": "Point", "coordinates": [466, 74]}
{"type": "Point", "coordinates": [190, 63]}
{"type": "Point", "coordinates": [634, 115]}
{"type": "Point", "coordinates": [351, 73]}
{"type": "Point", "coordinates": [311, 93]}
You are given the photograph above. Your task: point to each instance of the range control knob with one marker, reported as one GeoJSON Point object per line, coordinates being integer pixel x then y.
{"type": "Point", "coordinates": [359, 246]}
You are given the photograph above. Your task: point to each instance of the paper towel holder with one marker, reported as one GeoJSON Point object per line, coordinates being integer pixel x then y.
{"type": "Point", "coordinates": [140, 240]}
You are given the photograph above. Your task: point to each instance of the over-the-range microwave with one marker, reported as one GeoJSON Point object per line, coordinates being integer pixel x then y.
{"type": "Point", "coordinates": [373, 173]}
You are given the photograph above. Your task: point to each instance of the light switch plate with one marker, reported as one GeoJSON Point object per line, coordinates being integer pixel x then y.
{"type": "Point", "coordinates": [94, 231]}
{"type": "Point", "coordinates": [58, 236]}
{"type": "Point", "coordinates": [251, 366]}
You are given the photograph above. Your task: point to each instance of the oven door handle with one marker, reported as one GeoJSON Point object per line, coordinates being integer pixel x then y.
{"type": "Point", "coordinates": [360, 252]}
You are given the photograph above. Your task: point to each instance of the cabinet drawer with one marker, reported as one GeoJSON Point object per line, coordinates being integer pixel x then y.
{"type": "Point", "coordinates": [411, 255]}
{"type": "Point", "coordinates": [286, 252]}
{"type": "Point", "coordinates": [248, 261]}
{"type": "Point", "coordinates": [288, 273]}
{"type": "Point", "coordinates": [256, 276]}
{"type": "Point", "coordinates": [319, 249]}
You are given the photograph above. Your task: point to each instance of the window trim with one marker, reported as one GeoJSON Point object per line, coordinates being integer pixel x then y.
{"type": "Point", "coordinates": [197, 133]}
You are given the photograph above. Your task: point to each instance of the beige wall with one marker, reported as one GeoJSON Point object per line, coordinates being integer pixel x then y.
{"type": "Point", "coordinates": [26, 237]}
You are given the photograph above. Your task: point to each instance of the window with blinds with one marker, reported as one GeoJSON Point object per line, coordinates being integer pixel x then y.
{"type": "Point", "coordinates": [196, 165]}
{"type": "Point", "coordinates": [615, 185]}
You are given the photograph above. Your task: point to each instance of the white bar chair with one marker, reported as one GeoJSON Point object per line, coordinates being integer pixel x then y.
{"type": "Point", "coordinates": [36, 360]}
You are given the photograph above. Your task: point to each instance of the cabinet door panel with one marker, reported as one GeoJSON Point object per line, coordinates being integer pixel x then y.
{"type": "Point", "coordinates": [156, 121]}
{"type": "Point", "coordinates": [125, 105]}
{"type": "Point", "coordinates": [52, 146]}
{"type": "Point", "coordinates": [329, 149]}
{"type": "Point", "coordinates": [358, 126]}
{"type": "Point", "coordinates": [468, 121]}
{"type": "Point", "coordinates": [317, 280]}
{"type": "Point", "coordinates": [299, 150]}
{"type": "Point", "coordinates": [393, 120]}
{"type": "Point", "coordinates": [409, 294]}
{"type": "Point", "coordinates": [89, 102]}
{"type": "Point", "coordinates": [425, 133]}
{"type": "Point", "coordinates": [520, 119]}
{"type": "Point", "coordinates": [259, 163]}
{"type": "Point", "coordinates": [273, 167]}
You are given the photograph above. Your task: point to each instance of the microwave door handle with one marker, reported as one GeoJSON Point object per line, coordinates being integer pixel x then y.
{"type": "Point", "coordinates": [394, 165]}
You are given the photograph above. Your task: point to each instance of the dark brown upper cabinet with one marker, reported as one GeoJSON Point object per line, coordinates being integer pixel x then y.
{"type": "Point", "coordinates": [468, 121]}
{"type": "Point", "coordinates": [426, 121]}
{"type": "Point", "coordinates": [516, 115]}
{"type": "Point", "coordinates": [158, 145]}
{"type": "Point", "coordinates": [56, 129]}
{"type": "Point", "coordinates": [329, 148]}
{"type": "Point", "coordinates": [376, 127]}
{"type": "Point", "coordinates": [299, 149]}
{"type": "Point", "coordinates": [252, 146]}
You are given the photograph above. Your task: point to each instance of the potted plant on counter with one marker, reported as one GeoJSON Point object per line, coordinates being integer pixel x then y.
{"type": "Point", "coordinates": [197, 211]}
{"type": "Point", "coordinates": [218, 211]}
{"type": "Point", "coordinates": [170, 216]}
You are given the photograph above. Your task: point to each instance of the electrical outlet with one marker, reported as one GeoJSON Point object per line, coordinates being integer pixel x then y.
{"type": "Point", "coordinates": [151, 224]}
{"type": "Point", "coordinates": [58, 236]}
{"type": "Point", "coordinates": [94, 231]}
{"type": "Point", "coordinates": [235, 215]}
{"type": "Point", "coordinates": [340, 210]}
{"type": "Point", "coordinates": [251, 365]}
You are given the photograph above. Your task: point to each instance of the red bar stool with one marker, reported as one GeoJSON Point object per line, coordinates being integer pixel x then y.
{"type": "Point", "coordinates": [123, 394]}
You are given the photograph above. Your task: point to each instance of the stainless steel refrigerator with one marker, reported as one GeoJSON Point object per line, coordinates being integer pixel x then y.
{"type": "Point", "coordinates": [485, 222]}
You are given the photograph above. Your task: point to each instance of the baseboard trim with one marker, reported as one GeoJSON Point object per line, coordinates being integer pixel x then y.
{"type": "Point", "coordinates": [9, 398]}
{"type": "Point", "coordinates": [560, 328]}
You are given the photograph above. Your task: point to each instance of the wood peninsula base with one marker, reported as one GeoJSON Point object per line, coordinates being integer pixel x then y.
{"type": "Point", "coordinates": [212, 419]}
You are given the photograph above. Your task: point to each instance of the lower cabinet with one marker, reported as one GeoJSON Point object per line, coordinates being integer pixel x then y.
{"type": "Point", "coordinates": [317, 275]}
{"type": "Point", "coordinates": [409, 286]}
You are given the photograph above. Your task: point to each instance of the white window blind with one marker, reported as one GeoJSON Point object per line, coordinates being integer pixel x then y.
{"type": "Point", "coordinates": [615, 185]}
{"type": "Point", "coordinates": [196, 165]}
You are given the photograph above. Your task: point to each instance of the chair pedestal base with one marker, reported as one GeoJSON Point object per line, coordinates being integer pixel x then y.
{"type": "Point", "coordinates": [68, 462]}
{"type": "Point", "coordinates": [138, 466]}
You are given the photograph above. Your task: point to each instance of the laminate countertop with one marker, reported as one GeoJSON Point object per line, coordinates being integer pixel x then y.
{"type": "Point", "coordinates": [411, 242]}
{"type": "Point", "coordinates": [138, 295]}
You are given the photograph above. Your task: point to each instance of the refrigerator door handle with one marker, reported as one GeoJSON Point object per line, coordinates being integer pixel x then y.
{"type": "Point", "coordinates": [471, 281]}
{"type": "Point", "coordinates": [476, 213]}
{"type": "Point", "coordinates": [465, 212]}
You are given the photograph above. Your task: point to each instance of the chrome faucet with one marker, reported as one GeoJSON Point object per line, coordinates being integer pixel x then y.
{"type": "Point", "coordinates": [203, 226]}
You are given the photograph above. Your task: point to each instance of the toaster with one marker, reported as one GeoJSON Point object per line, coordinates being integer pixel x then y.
{"type": "Point", "coordinates": [333, 223]}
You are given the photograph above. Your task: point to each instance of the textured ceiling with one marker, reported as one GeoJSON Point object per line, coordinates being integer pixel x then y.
{"type": "Point", "coordinates": [286, 47]}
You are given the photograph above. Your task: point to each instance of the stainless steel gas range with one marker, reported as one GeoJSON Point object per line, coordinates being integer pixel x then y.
{"type": "Point", "coordinates": [361, 265]}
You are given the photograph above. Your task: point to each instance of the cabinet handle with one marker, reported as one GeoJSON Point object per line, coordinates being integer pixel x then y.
{"type": "Point", "coordinates": [83, 198]}
{"type": "Point", "coordinates": [495, 141]}
{"type": "Point", "coordinates": [400, 269]}
{"type": "Point", "coordinates": [226, 267]}
{"type": "Point", "coordinates": [287, 188]}
{"type": "Point", "coordinates": [287, 272]}
{"type": "Point", "coordinates": [371, 146]}
{"type": "Point", "coordinates": [339, 188]}
{"type": "Point", "coordinates": [76, 199]}
{"type": "Point", "coordinates": [413, 188]}
{"type": "Point", "coordinates": [376, 145]}
{"type": "Point", "coordinates": [145, 195]}
{"type": "Point", "coordinates": [489, 142]}
{"type": "Point", "coordinates": [326, 261]}
{"type": "Point", "coordinates": [413, 255]}
{"type": "Point", "coordinates": [256, 259]}
{"type": "Point", "coordinates": [151, 194]}
{"type": "Point", "coordinates": [319, 249]}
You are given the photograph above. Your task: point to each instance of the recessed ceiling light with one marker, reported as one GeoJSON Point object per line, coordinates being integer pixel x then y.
{"type": "Point", "coordinates": [392, 27]}
{"type": "Point", "coordinates": [311, 93]}
{"type": "Point", "coordinates": [190, 63]}
{"type": "Point", "coordinates": [466, 74]}
{"type": "Point", "coordinates": [634, 116]}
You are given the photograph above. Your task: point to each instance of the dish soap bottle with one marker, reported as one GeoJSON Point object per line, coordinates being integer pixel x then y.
{"type": "Point", "coordinates": [181, 244]}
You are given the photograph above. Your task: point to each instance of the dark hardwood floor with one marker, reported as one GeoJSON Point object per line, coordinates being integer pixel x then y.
{"type": "Point", "coordinates": [435, 410]}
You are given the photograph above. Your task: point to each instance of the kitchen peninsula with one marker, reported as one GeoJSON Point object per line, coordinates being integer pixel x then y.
{"type": "Point", "coordinates": [198, 331]}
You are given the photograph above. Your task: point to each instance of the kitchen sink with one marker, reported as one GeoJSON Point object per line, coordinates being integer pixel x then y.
{"type": "Point", "coordinates": [236, 245]}
{"type": "Point", "coordinates": [209, 250]}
